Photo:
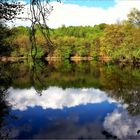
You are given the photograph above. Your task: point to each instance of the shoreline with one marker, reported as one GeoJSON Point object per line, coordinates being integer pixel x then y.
{"type": "Point", "coordinates": [11, 59]}
{"type": "Point", "coordinates": [74, 59]}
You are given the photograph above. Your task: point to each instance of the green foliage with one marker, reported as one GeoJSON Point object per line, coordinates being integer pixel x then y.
{"type": "Point", "coordinates": [112, 39]}
{"type": "Point", "coordinates": [9, 9]}
{"type": "Point", "coordinates": [5, 47]}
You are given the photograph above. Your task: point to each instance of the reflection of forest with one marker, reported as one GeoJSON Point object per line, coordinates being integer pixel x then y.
{"type": "Point", "coordinates": [4, 111]}
{"type": "Point", "coordinates": [122, 83]}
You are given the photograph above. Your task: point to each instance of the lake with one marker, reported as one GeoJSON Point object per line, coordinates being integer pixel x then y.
{"type": "Point", "coordinates": [68, 100]}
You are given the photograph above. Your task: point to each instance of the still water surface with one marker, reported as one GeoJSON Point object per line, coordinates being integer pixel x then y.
{"type": "Point", "coordinates": [69, 100]}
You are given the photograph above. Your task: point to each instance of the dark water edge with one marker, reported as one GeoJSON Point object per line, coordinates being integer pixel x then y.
{"type": "Point", "coordinates": [90, 72]}
{"type": "Point", "coordinates": [66, 99]}
{"type": "Point", "coordinates": [133, 61]}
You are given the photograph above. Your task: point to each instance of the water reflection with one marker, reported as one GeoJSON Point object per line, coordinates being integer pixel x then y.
{"type": "Point", "coordinates": [69, 113]}
{"type": "Point", "coordinates": [68, 100]}
{"type": "Point", "coordinates": [58, 113]}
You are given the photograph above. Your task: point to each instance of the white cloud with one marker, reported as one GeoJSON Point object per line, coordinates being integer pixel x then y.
{"type": "Point", "coordinates": [70, 14]}
{"type": "Point", "coordinates": [73, 15]}
{"type": "Point", "coordinates": [55, 98]}
{"type": "Point", "coordinates": [122, 124]}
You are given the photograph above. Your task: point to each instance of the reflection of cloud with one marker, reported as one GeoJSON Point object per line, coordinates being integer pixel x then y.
{"type": "Point", "coordinates": [69, 128]}
{"type": "Point", "coordinates": [59, 127]}
{"type": "Point", "coordinates": [121, 124]}
{"type": "Point", "coordinates": [55, 98]}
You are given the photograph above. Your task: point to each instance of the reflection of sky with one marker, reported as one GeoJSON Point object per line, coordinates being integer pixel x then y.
{"type": "Point", "coordinates": [80, 121]}
{"type": "Point", "coordinates": [69, 113]}
{"type": "Point", "coordinates": [55, 98]}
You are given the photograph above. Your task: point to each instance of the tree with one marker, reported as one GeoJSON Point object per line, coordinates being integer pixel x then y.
{"type": "Point", "coordinates": [134, 17]}
{"type": "Point", "coordinates": [39, 12]}
{"type": "Point", "coordinates": [111, 40]}
{"type": "Point", "coordinates": [9, 9]}
{"type": "Point", "coordinates": [3, 44]}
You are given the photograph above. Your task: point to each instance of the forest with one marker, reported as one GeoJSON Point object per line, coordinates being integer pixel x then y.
{"type": "Point", "coordinates": [114, 42]}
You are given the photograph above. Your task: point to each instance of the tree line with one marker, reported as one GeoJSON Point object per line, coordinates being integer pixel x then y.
{"type": "Point", "coordinates": [118, 42]}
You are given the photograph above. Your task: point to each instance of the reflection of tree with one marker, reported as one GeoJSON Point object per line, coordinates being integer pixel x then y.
{"type": "Point", "coordinates": [108, 135]}
{"type": "Point", "coordinates": [24, 75]}
{"type": "Point", "coordinates": [4, 111]}
{"type": "Point", "coordinates": [5, 115]}
{"type": "Point", "coordinates": [122, 84]}
{"type": "Point", "coordinates": [134, 105]}
{"type": "Point", "coordinates": [35, 77]}
{"type": "Point", "coordinates": [5, 75]}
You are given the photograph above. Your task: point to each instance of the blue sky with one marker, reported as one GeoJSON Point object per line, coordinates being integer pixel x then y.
{"type": "Point", "coordinates": [89, 3]}
{"type": "Point", "coordinates": [92, 3]}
